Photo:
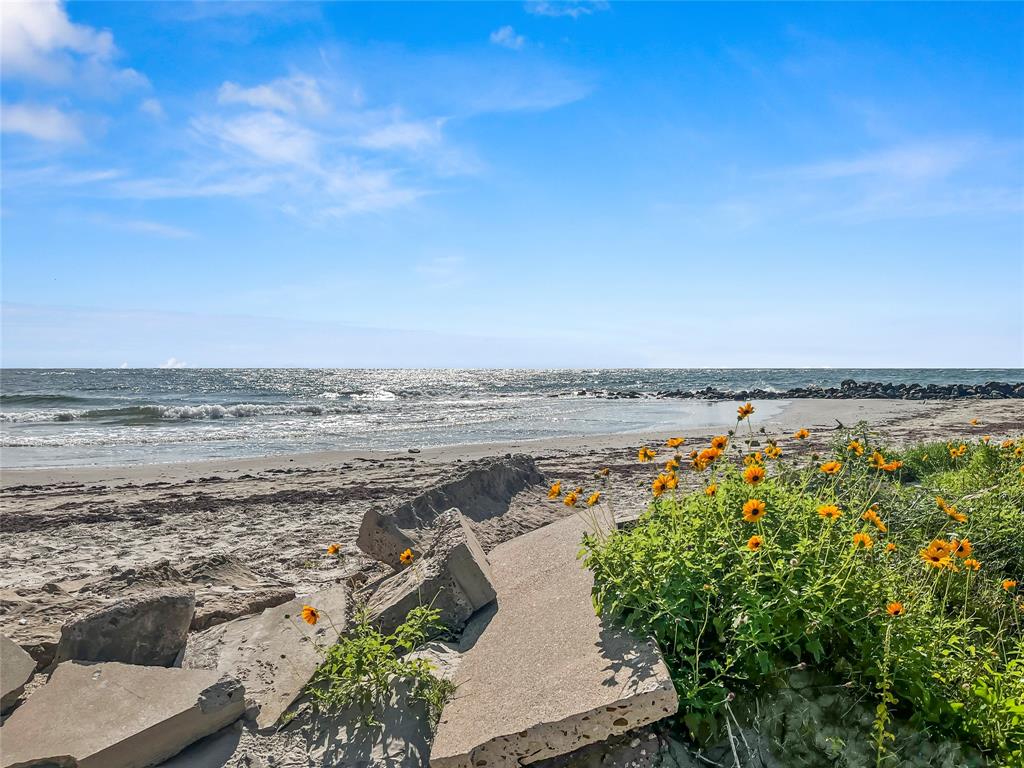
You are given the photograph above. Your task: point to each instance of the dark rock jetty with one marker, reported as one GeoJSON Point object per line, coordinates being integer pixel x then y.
{"type": "Point", "coordinates": [847, 390]}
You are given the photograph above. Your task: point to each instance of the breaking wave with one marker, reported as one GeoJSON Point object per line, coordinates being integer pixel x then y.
{"type": "Point", "coordinates": [137, 414]}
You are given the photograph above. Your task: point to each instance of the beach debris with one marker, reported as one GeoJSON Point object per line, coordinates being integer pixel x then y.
{"type": "Point", "coordinates": [274, 654]}
{"type": "Point", "coordinates": [144, 629]}
{"type": "Point", "coordinates": [118, 715]}
{"type": "Point", "coordinates": [452, 575]}
{"type": "Point", "coordinates": [16, 669]}
{"type": "Point", "coordinates": [567, 677]}
{"type": "Point", "coordinates": [482, 492]}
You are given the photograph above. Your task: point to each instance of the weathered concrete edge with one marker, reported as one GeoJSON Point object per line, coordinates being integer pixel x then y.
{"type": "Point", "coordinates": [583, 724]}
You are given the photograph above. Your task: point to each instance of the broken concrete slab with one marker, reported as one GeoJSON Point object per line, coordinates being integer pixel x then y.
{"type": "Point", "coordinates": [16, 669]}
{"type": "Point", "coordinates": [452, 575]}
{"type": "Point", "coordinates": [275, 653]}
{"type": "Point", "coordinates": [543, 675]}
{"type": "Point", "coordinates": [221, 604]}
{"type": "Point", "coordinates": [143, 629]}
{"type": "Point", "coordinates": [482, 492]}
{"type": "Point", "coordinates": [112, 715]}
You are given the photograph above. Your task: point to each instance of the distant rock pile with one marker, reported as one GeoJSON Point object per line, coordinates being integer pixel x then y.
{"type": "Point", "coordinates": [847, 390]}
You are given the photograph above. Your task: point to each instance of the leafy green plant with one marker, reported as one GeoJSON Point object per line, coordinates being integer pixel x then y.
{"type": "Point", "coordinates": [846, 565]}
{"type": "Point", "coordinates": [359, 670]}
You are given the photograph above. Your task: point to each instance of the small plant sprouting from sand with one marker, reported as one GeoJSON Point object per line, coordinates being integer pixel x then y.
{"type": "Point", "coordinates": [894, 573]}
{"type": "Point", "coordinates": [359, 670]}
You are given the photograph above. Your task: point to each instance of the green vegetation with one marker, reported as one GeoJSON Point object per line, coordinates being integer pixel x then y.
{"type": "Point", "coordinates": [361, 668]}
{"type": "Point", "coordinates": [889, 575]}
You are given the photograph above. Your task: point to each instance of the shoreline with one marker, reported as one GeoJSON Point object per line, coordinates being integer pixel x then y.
{"type": "Point", "coordinates": [793, 414]}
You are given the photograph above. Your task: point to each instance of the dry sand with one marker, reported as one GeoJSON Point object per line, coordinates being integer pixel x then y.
{"type": "Point", "coordinates": [75, 538]}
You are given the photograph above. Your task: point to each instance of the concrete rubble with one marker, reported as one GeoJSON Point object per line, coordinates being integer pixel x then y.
{"type": "Point", "coordinates": [145, 629]}
{"type": "Point", "coordinates": [543, 675]}
{"type": "Point", "coordinates": [452, 575]}
{"type": "Point", "coordinates": [16, 669]}
{"type": "Point", "coordinates": [274, 654]}
{"type": "Point", "coordinates": [112, 715]}
{"type": "Point", "coordinates": [482, 493]}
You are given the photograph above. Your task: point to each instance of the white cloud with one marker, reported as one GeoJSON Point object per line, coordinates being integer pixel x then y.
{"type": "Point", "coordinates": [403, 135]}
{"type": "Point", "coordinates": [286, 94]}
{"type": "Point", "coordinates": [39, 42]}
{"type": "Point", "coordinates": [911, 162]}
{"type": "Point", "coordinates": [572, 8]}
{"type": "Point", "coordinates": [43, 123]}
{"type": "Point", "coordinates": [264, 135]}
{"type": "Point", "coordinates": [506, 37]}
{"type": "Point", "coordinates": [153, 108]}
{"type": "Point", "coordinates": [173, 362]}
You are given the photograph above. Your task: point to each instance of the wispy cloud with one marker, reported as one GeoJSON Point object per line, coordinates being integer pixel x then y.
{"type": "Point", "coordinates": [913, 162]}
{"type": "Point", "coordinates": [287, 94]}
{"type": "Point", "coordinates": [43, 123]}
{"type": "Point", "coordinates": [506, 37]}
{"type": "Point", "coordinates": [572, 8]}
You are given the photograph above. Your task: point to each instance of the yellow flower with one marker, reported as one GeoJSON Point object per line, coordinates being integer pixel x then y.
{"type": "Point", "coordinates": [960, 517]}
{"type": "Point", "coordinates": [801, 434]}
{"type": "Point", "coordinates": [671, 465]}
{"type": "Point", "coordinates": [744, 410]}
{"type": "Point", "coordinates": [830, 511]}
{"type": "Point", "coordinates": [877, 460]}
{"type": "Point", "coordinates": [986, 438]}
{"type": "Point", "coordinates": [675, 442]}
{"type": "Point", "coordinates": [333, 549]}
{"type": "Point", "coordinates": [672, 480]}
{"type": "Point", "coordinates": [855, 446]}
{"type": "Point", "coordinates": [645, 454]}
{"type": "Point", "coordinates": [962, 548]}
{"type": "Point", "coordinates": [1009, 584]}
{"type": "Point", "coordinates": [1006, 444]}
{"type": "Point", "coordinates": [890, 547]}
{"type": "Point", "coordinates": [719, 442]}
{"type": "Point", "coordinates": [753, 474]}
{"type": "Point", "coordinates": [772, 451]}
{"type": "Point", "coordinates": [659, 485]}
{"type": "Point", "coordinates": [753, 458]}
{"type": "Point", "coordinates": [754, 543]}
{"type": "Point", "coordinates": [555, 491]}
{"type": "Point", "coordinates": [937, 554]}
{"type": "Point", "coordinates": [310, 615]}
{"type": "Point", "coordinates": [941, 503]}
{"type": "Point", "coordinates": [603, 472]}
{"type": "Point", "coordinates": [711, 490]}
{"type": "Point", "coordinates": [891, 466]}
{"type": "Point", "coordinates": [831, 467]}
{"type": "Point", "coordinates": [863, 540]}
{"type": "Point", "coordinates": [753, 510]}
{"type": "Point", "coordinates": [895, 609]}
{"type": "Point", "coordinates": [958, 451]}
{"type": "Point", "coordinates": [972, 564]}
{"type": "Point", "coordinates": [872, 517]}
{"type": "Point", "coordinates": [593, 498]}
{"type": "Point", "coordinates": [406, 557]}
{"type": "Point", "coordinates": [973, 422]}
{"type": "Point", "coordinates": [571, 498]}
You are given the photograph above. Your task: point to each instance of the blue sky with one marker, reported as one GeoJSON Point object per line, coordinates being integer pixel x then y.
{"type": "Point", "coordinates": [509, 184]}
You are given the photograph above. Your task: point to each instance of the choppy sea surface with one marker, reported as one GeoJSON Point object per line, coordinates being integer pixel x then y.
{"type": "Point", "coordinates": [65, 417]}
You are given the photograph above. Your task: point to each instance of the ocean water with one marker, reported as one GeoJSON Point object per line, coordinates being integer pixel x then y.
{"type": "Point", "coordinates": [64, 417]}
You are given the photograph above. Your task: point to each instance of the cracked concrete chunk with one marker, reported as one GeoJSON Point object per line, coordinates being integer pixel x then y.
{"type": "Point", "coordinates": [16, 669]}
{"type": "Point", "coordinates": [274, 654]}
{"type": "Point", "coordinates": [452, 576]}
{"type": "Point", "coordinates": [543, 675]}
{"type": "Point", "coordinates": [481, 493]}
{"type": "Point", "coordinates": [112, 715]}
{"type": "Point", "coordinates": [144, 629]}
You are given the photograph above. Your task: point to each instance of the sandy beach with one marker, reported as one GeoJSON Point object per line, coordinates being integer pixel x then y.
{"type": "Point", "coordinates": [247, 529]}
